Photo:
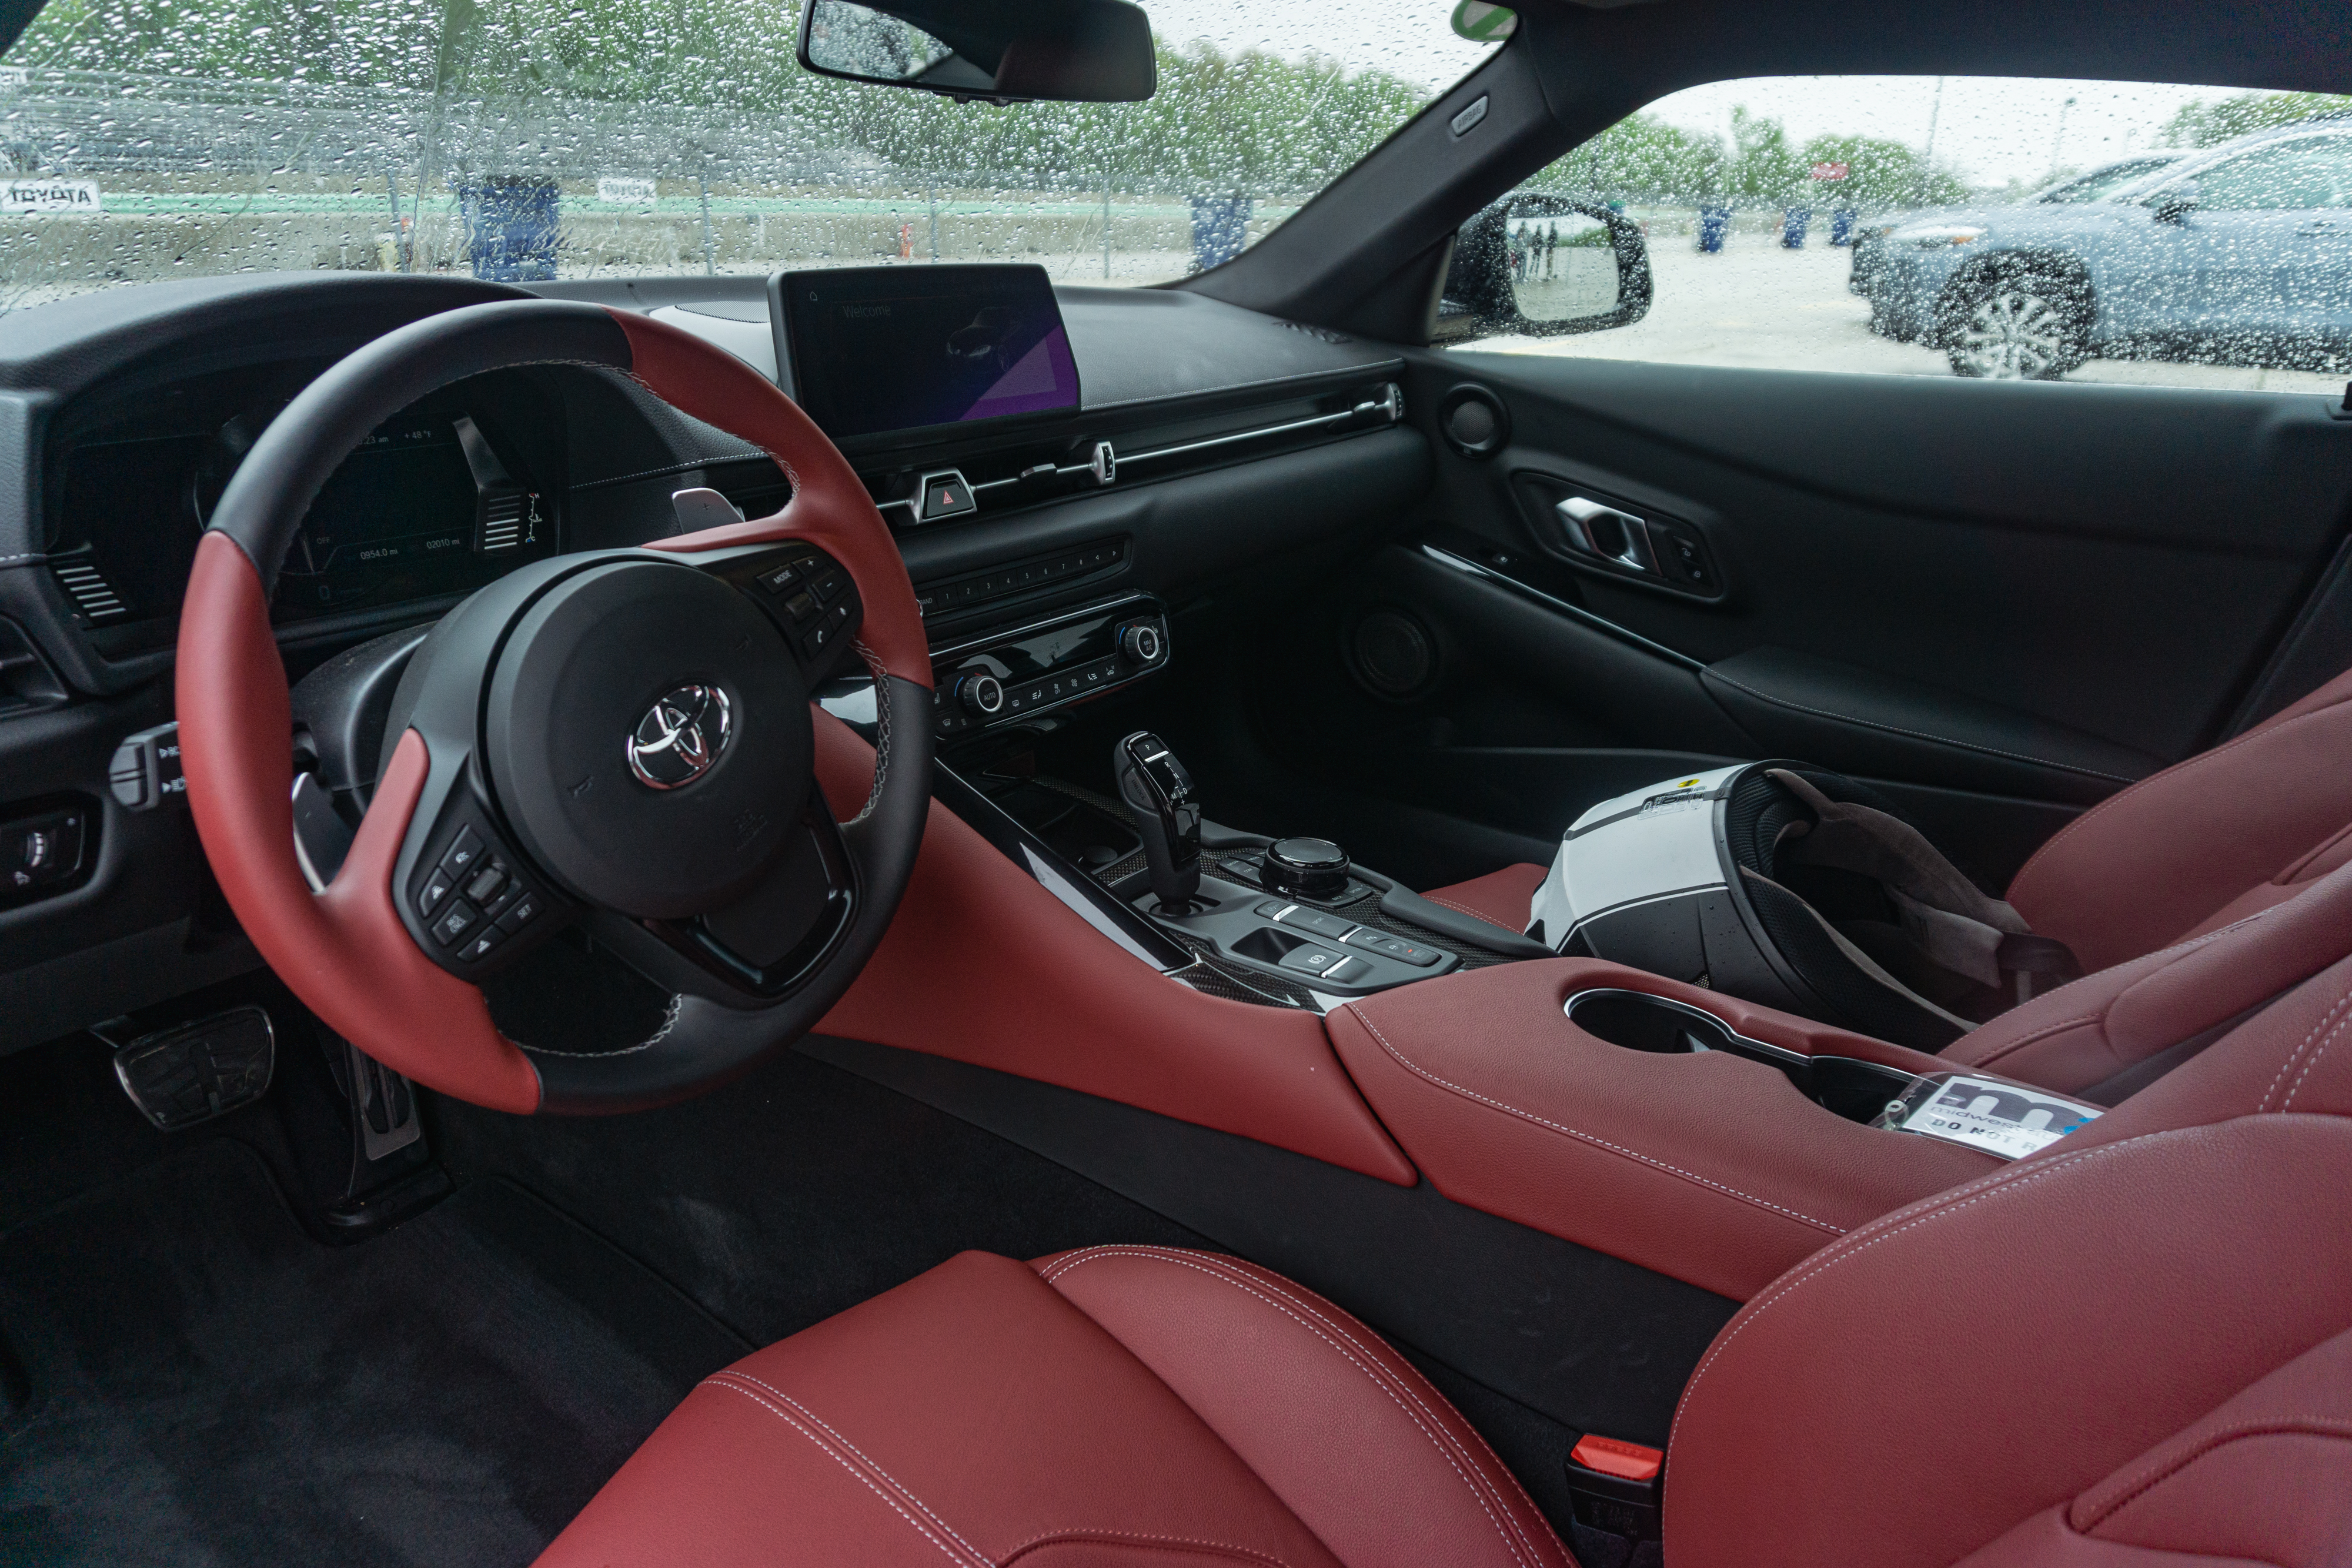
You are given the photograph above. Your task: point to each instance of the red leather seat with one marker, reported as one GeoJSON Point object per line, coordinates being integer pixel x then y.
{"type": "Point", "coordinates": [1113, 1405]}
{"type": "Point", "coordinates": [2133, 1350]}
{"type": "Point", "coordinates": [2141, 880]}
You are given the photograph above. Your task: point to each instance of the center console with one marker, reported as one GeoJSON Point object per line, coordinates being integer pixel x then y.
{"type": "Point", "coordinates": [1707, 1138]}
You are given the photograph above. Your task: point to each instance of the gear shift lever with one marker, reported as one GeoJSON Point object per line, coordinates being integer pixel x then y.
{"type": "Point", "coordinates": [1166, 812]}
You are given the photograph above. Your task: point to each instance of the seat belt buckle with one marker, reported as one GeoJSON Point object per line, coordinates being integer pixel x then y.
{"type": "Point", "coordinates": [1616, 1486]}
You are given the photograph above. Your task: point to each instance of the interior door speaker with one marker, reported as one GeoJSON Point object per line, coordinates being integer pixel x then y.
{"type": "Point", "coordinates": [1393, 655]}
{"type": "Point", "coordinates": [1474, 420]}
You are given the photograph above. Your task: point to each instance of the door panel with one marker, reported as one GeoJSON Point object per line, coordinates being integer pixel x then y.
{"type": "Point", "coordinates": [2006, 600]}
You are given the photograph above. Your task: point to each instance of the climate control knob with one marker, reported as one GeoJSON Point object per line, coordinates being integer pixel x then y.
{"type": "Point", "coordinates": [983, 694]}
{"type": "Point", "coordinates": [1142, 642]}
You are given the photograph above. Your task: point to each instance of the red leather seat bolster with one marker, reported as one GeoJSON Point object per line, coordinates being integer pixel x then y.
{"type": "Point", "coordinates": [2166, 855]}
{"type": "Point", "coordinates": [2082, 1034]}
{"type": "Point", "coordinates": [983, 1413]}
{"type": "Point", "coordinates": [2044, 1325]}
{"type": "Point", "coordinates": [1500, 897]}
{"type": "Point", "coordinates": [1711, 1167]}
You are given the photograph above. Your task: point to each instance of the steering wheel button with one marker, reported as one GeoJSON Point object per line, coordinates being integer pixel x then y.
{"type": "Point", "coordinates": [455, 922]}
{"type": "Point", "coordinates": [480, 945]}
{"type": "Point", "coordinates": [524, 911]}
{"type": "Point", "coordinates": [784, 577]}
{"type": "Point", "coordinates": [436, 888]}
{"type": "Point", "coordinates": [464, 853]}
{"type": "Point", "coordinates": [828, 588]}
{"type": "Point", "coordinates": [485, 885]}
{"type": "Point", "coordinates": [802, 606]}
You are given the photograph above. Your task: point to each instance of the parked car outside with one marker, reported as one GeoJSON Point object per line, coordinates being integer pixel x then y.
{"type": "Point", "coordinates": [2238, 253]}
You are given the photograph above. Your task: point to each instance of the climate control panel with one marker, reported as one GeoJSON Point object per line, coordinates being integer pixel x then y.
{"type": "Point", "coordinates": [1004, 677]}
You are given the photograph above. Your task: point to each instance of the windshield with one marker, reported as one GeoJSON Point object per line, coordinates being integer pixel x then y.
{"type": "Point", "coordinates": [531, 140]}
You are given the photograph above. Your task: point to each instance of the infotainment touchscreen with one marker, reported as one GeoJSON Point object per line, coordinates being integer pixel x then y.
{"type": "Point", "coordinates": [878, 349]}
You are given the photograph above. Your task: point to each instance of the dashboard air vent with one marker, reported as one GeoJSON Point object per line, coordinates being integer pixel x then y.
{"type": "Point", "coordinates": [77, 572]}
{"type": "Point", "coordinates": [502, 521]}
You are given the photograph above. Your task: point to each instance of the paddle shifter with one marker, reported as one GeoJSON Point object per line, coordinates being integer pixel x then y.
{"type": "Point", "coordinates": [1167, 812]}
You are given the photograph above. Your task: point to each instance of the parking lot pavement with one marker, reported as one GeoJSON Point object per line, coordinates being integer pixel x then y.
{"type": "Point", "coordinates": [1756, 305]}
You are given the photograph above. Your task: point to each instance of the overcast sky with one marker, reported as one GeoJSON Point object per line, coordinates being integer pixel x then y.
{"type": "Point", "coordinates": [1990, 130]}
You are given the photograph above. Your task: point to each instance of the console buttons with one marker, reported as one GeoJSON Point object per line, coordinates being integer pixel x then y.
{"type": "Point", "coordinates": [1347, 972]}
{"type": "Point", "coordinates": [486, 883]}
{"type": "Point", "coordinates": [1396, 947]}
{"type": "Point", "coordinates": [436, 888]}
{"type": "Point", "coordinates": [1314, 960]}
{"type": "Point", "coordinates": [455, 922]}
{"type": "Point", "coordinates": [463, 853]}
{"type": "Point", "coordinates": [1318, 922]}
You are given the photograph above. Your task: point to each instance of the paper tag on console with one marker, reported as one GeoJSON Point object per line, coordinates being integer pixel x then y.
{"type": "Point", "coordinates": [2007, 1120]}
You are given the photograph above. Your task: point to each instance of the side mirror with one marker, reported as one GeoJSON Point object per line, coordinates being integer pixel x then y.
{"type": "Point", "coordinates": [2175, 202]}
{"type": "Point", "coordinates": [1079, 51]}
{"type": "Point", "coordinates": [1543, 266]}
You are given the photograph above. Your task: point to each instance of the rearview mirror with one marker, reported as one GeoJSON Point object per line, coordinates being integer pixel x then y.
{"type": "Point", "coordinates": [2175, 202]}
{"type": "Point", "coordinates": [1083, 51]}
{"type": "Point", "coordinates": [1541, 265]}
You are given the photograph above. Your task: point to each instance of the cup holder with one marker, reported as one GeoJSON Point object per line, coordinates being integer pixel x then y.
{"type": "Point", "coordinates": [1635, 1020]}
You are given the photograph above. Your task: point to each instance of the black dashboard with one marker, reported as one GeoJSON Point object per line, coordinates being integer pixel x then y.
{"type": "Point", "coordinates": [1108, 457]}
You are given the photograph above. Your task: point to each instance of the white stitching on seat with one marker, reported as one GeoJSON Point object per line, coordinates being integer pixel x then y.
{"type": "Point", "coordinates": [1914, 734]}
{"type": "Point", "coordinates": [1419, 1071]}
{"type": "Point", "coordinates": [1509, 1532]}
{"type": "Point", "coordinates": [718, 1380]}
{"type": "Point", "coordinates": [1082, 1531]}
{"type": "Point", "coordinates": [2156, 1473]}
{"type": "Point", "coordinates": [2297, 1054]}
{"type": "Point", "coordinates": [832, 1432]}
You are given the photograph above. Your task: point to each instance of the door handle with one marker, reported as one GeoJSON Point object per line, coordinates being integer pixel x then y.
{"type": "Point", "coordinates": [1607, 532]}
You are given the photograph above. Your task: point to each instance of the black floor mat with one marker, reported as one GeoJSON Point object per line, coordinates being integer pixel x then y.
{"type": "Point", "coordinates": [208, 1385]}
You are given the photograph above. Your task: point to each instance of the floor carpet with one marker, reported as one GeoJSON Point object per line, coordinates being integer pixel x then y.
{"type": "Point", "coordinates": [197, 1382]}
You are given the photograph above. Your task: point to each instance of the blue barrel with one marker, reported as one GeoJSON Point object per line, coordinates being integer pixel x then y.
{"type": "Point", "coordinates": [1220, 229]}
{"type": "Point", "coordinates": [1794, 221]}
{"type": "Point", "coordinates": [510, 228]}
{"type": "Point", "coordinates": [1714, 223]}
{"type": "Point", "coordinates": [1841, 222]}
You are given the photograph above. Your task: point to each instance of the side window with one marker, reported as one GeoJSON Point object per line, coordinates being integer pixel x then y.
{"type": "Point", "coordinates": [2308, 172]}
{"type": "Point", "coordinates": [1982, 228]}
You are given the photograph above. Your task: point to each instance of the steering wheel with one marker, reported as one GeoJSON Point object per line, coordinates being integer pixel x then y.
{"type": "Point", "coordinates": [622, 739]}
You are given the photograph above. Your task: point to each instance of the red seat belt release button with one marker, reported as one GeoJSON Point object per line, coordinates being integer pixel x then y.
{"type": "Point", "coordinates": [1615, 1456]}
{"type": "Point", "coordinates": [1613, 1488]}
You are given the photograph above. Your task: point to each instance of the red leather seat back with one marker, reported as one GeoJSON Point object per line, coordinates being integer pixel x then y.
{"type": "Point", "coordinates": [2217, 837]}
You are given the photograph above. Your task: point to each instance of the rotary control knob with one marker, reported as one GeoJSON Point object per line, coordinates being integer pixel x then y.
{"type": "Point", "coordinates": [981, 695]}
{"type": "Point", "coordinates": [1307, 868]}
{"type": "Point", "coordinates": [1142, 642]}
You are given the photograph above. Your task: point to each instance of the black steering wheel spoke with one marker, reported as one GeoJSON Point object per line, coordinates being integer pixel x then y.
{"type": "Point", "coordinates": [767, 944]}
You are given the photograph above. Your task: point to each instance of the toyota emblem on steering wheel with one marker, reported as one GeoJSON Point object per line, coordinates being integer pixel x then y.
{"type": "Point", "coordinates": [680, 738]}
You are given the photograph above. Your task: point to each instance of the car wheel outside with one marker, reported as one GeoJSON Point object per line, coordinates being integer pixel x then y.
{"type": "Point", "coordinates": [2017, 324]}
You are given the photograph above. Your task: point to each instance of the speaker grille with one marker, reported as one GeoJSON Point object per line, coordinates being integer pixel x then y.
{"type": "Point", "coordinates": [1395, 656]}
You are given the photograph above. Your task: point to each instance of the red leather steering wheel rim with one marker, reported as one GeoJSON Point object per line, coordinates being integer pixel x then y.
{"type": "Point", "coordinates": [344, 952]}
